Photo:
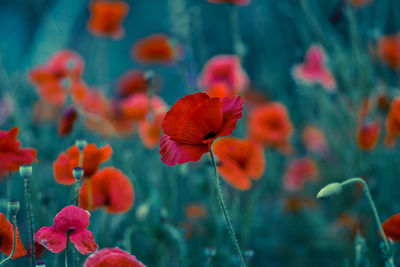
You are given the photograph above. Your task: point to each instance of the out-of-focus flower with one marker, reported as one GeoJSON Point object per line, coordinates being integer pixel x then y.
{"type": "Point", "coordinates": [193, 123]}
{"type": "Point", "coordinates": [235, 2]}
{"type": "Point", "coordinates": [71, 222]}
{"type": "Point", "coordinates": [368, 135]}
{"type": "Point", "coordinates": [6, 108]}
{"type": "Point", "coordinates": [350, 222]}
{"type": "Point", "coordinates": [389, 50]}
{"type": "Point", "coordinates": [393, 123]}
{"type": "Point", "coordinates": [12, 156]}
{"type": "Point", "coordinates": [294, 204]}
{"type": "Point", "coordinates": [150, 130]}
{"type": "Point", "coordinates": [391, 227]}
{"type": "Point", "coordinates": [298, 172]}
{"type": "Point", "coordinates": [133, 81]}
{"type": "Point", "coordinates": [107, 17]}
{"type": "Point", "coordinates": [314, 70]}
{"type": "Point", "coordinates": [137, 106]}
{"type": "Point", "coordinates": [314, 140]}
{"type": "Point", "coordinates": [67, 121]}
{"type": "Point", "coordinates": [110, 189]}
{"type": "Point", "coordinates": [239, 161]}
{"type": "Point", "coordinates": [42, 111]}
{"type": "Point", "coordinates": [219, 89]}
{"type": "Point", "coordinates": [115, 257]}
{"type": "Point", "coordinates": [92, 158]}
{"type": "Point", "coordinates": [154, 49]}
{"type": "Point", "coordinates": [360, 3]}
{"type": "Point", "coordinates": [195, 211]}
{"type": "Point", "coordinates": [7, 239]}
{"type": "Point", "coordinates": [227, 69]}
{"type": "Point", "coordinates": [270, 125]}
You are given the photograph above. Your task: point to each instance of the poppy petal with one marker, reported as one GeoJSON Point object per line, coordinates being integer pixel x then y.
{"type": "Point", "coordinates": [234, 175]}
{"type": "Point", "coordinates": [112, 257]}
{"type": "Point", "coordinates": [391, 227]}
{"type": "Point", "coordinates": [232, 111]}
{"type": "Point", "coordinates": [84, 242]}
{"type": "Point", "coordinates": [71, 218]}
{"type": "Point", "coordinates": [7, 239]}
{"type": "Point", "coordinates": [51, 239]}
{"type": "Point", "coordinates": [62, 170]}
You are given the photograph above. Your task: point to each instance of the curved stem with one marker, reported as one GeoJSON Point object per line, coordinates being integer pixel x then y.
{"type": "Point", "coordinates": [30, 217]}
{"type": "Point", "coordinates": [225, 212]}
{"type": "Point", "coordinates": [374, 211]}
{"type": "Point", "coordinates": [15, 240]}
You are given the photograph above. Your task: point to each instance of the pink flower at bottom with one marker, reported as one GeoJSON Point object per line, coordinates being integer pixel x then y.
{"type": "Point", "coordinates": [70, 220]}
{"type": "Point", "coordinates": [115, 257]}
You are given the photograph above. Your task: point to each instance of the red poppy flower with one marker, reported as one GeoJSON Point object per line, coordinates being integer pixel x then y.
{"type": "Point", "coordinates": [137, 106]}
{"type": "Point", "coordinates": [106, 18]}
{"type": "Point", "coordinates": [7, 239]}
{"type": "Point", "coordinates": [298, 172]}
{"type": "Point", "coordinates": [193, 123]}
{"type": "Point", "coordinates": [314, 139]}
{"type": "Point", "coordinates": [71, 221]}
{"type": "Point", "coordinates": [368, 135]}
{"type": "Point", "coordinates": [294, 204]}
{"type": "Point", "coordinates": [389, 50]}
{"type": "Point", "coordinates": [360, 3]}
{"type": "Point", "coordinates": [195, 211]}
{"type": "Point", "coordinates": [150, 130]}
{"type": "Point", "coordinates": [220, 89]}
{"type": "Point", "coordinates": [131, 82]}
{"type": "Point", "coordinates": [155, 48]}
{"type": "Point", "coordinates": [393, 122]}
{"type": "Point", "coordinates": [236, 2]}
{"type": "Point", "coordinates": [111, 189]}
{"type": "Point", "coordinates": [391, 227]}
{"type": "Point", "coordinates": [239, 161]}
{"type": "Point", "coordinates": [227, 69]}
{"type": "Point", "coordinates": [112, 257]}
{"type": "Point", "coordinates": [313, 70]}
{"type": "Point", "coordinates": [269, 124]}
{"type": "Point", "coordinates": [67, 121]}
{"type": "Point", "coordinates": [92, 158]}
{"type": "Point", "coordinates": [12, 156]}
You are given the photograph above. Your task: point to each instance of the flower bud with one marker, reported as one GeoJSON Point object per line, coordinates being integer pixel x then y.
{"type": "Point", "coordinates": [25, 170]}
{"type": "Point", "coordinates": [77, 173]}
{"type": "Point", "coordinates": [13, 207]}
{"type": "Point", "coordinates": [330, 190]}
{"type": "Point", "coordinates": [81, 144]}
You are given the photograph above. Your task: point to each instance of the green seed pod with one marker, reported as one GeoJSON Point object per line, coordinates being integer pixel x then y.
{"type": "Point", "coordinates": [25, 170]}
{"type": "Point", "coordinates": [13, 207]}
{"type": "Point", "coordinates": [81, 144]}
{"type": "Point", "coordinates": [77, 173]}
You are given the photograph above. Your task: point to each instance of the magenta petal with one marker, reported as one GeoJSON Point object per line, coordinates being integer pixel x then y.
{"type": "Point", "coordinates": [50, 239]}
{"type": "Point", "coordinates": [174, 153]}
{"type": "Point", "coordinates": [84, 242]}
{"type": "Point", "coordinates": [71, 218]}
{"type": "Point", "coordinates": [232, 111]}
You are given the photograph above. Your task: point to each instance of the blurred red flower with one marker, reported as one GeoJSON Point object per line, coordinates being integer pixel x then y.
{"type": "Point", "coordinates": [391, 227]}
{"type": "Point", "coordinates": [239, 161]}
{"type": "Point", "coordinates": [270, 125]}
{"type": "Point", "coordinates": [368, 135]}
{"type": "Point", "coordinates": [154, 49]}
{"type": "Point", "coordinates": [12, 156]}
{"type": "Point", "coordinates": [393, 123]}
{"type": "Point", "coordinates": [219, 89]}
{"type": "Point", "coordinates": [150, 130]}
{"type": "Point", "coordinates": [115, 257]}
{"type": "Point", "coordinates": [70, 221]}
{"type": "Point", "coordinates": [133, 81]}
{"type": "Point", "coordinates": [92, 158]}
{"type": "Point", "coordinates": [193, 123]}
{"type": "Point", "coordinates": [7, 239]}
{"type": "Point", "coordinates": [360, 3]}
{"type": "Point", "coordinates": [137, 106]}
{"type": "Point", "coordinates": [389, 50]}
{"type": "Point", "coordinates": [106, 18]}
{"type": "Point", "coordinates": [110, 189]}
{"type": "Point", "coordinates": [67, 121]}
{"type": "Point", "coordinates": [298, 172]}
{"type": "Point", "coordinates": [314, 140]}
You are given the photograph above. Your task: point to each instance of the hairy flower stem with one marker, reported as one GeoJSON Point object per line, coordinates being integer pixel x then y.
{"type": "Point", "coordinates": [89, 191]}
{"type": "Point", "coordinates": [66, 250]}
{"type": "Point", "coordinates": [376, 215]}
{"type": "Point", "coordinates": [225, 212]}
{"type": "Point", "coordinates": [14, 219]}
{"type": "Point", "coordinates": [30, 217]}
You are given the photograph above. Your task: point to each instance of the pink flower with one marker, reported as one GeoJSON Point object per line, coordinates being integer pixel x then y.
{"type": "Point", "coordinates": [70, 221]}
{"type": "Point", "coordinates": [112, 257]}
{"type": "Point", "coordinates": [224, 68]}
{"type": "Point", "coordinates": [298, 172]}
{"type": "Point", "coordinates": [314, 70]}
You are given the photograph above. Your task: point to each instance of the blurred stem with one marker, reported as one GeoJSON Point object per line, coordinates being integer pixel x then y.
{"type": "Point", "coordinates": [238, 45]}
{"type": "Point", "coordinates": [375, 212]}
{"type": "Point", "coordinates": [8, 191]}
{"type": "Point", "coordinates": [312, 21]}
{"type": "Point", "coordinates": [14, 219]}
{"type": "Point", "coordinates": [30, 217]}
{"type": "Point", "coordinates": [225, 212]}
{"type": "Point", "coordinates": [89, 190]}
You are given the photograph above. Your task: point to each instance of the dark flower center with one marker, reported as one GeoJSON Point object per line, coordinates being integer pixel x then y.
{"type": "Point", "coordinates": [209, 136]}
{"type": "Point", "coordinates": [71, 230]}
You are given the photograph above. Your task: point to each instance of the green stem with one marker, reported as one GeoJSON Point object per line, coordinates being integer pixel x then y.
{"type": "Point", "coordinates": [225, 212]}
{"type": "Point", "coordinates": [89, 191]}
{"type": "Point", "coordinates": [77, 187]}
{"type": "Point", "coordinates": [66, 250]}
{"type": "Point", "coordinates": [238, 45]}
{"type": "Point", "coordinates": [8, 191]}
{"type": "Point", "coordinates": [14, 218]}
{"type": "Point", "coordinates": [30, 217]}
{"type": "Point", "coordinates": [375, 212]}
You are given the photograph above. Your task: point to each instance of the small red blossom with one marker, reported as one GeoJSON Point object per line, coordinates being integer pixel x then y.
{"type": "Point", "coordinates": [137, 106]}
{"type": "Point", "coordinates": [227, 69]}
{"type": "Point", "coordinates": [7, 239]}
{"type": "Point", "coordinates": [314, 70]}
{"type": "Point", "coordinates": [107, 17]}
{"type": "Point", "coordinates": [314, 140]}
{"type": "Point", "coordinates": [110, 189]}
{"type": "Point", "coordinates": [112, 257]}
{"type": "Point", "coordinates": [12, 156]}
{"type": "Point", "coordinates": [193, 123]}
{"type": "Point", "coordinates": [389, 50]}
{"type": "Point", "coordinates": [133, 81]}
{"type": "Point", "coordinates": [67, 121]}
{"type": "Point", "coordinates": [368, 135]}
{"type": "Point", "coordinates": [92, 158]}
{"type": "Point", "coordinates": [220, 89]}
{"type": "Point", "coordinates": [154, 49]}
{"type": "Point", "coordinates": [239, 161]}
{"type": "Point", "coordinates": [70, 221]}
{"type": "Point", "coordinates": [298, 172]}
{"type": "Point", "coordinates": [150, 130]}
{"type": "Point", "coordinates": [391, 227]}
{"type": "Point", "coordinates": [393, 123]}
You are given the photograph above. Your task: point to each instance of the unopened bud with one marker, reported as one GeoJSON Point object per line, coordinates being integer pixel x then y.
{"type": "Point", "coordinates": [330, 190]}
{"type": "Point", "coordinates": [77, 173]}
{"type": "Point", "coordinates": [81, 144]}
{"type": "Point", "coordinates": [40, 264]}
{"type": "Point", "coordinates": [13, 207]}
{"type": "Point", "coordinates": [25, 170]}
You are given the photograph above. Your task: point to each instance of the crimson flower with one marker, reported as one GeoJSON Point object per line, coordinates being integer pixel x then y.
{"type": "Point", "coordinates": [70, 222]}
{"type": "Point", "coordinates": [193, 123]}
{"type": "Point", "coordinates": [298, 172]}
{"type": "Point", "coordinates": [112, 257]}
{"type": "Point", "coordinates": [154, 49]}
{"type": "Point", "coordinates": [391, 227]}
{"type": "Point", "coordinates": [7, 239]}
